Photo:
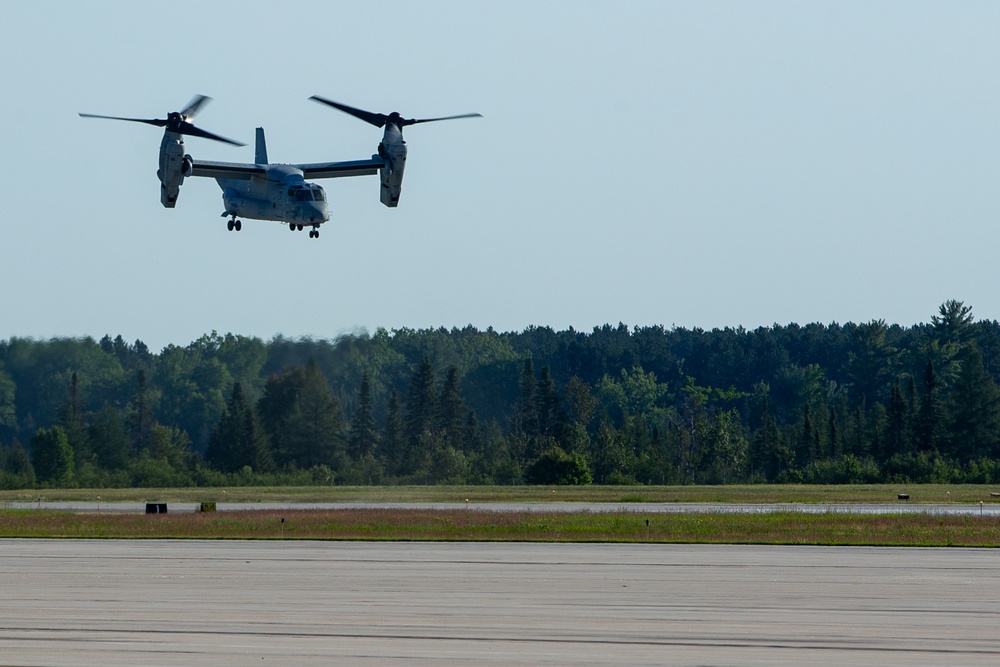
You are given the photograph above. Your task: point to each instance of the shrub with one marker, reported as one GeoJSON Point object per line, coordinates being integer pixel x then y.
{"type": "Point", "coordinates": [555, 466]}
{"type": "Point", "coordinates": [847, 469]}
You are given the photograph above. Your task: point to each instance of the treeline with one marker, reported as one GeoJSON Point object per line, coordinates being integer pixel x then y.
{"type": "Point", "coordinates": [859, 403]}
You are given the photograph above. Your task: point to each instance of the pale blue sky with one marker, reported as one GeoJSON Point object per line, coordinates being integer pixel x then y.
{"type": "Point", "coordinates": [698, 164]}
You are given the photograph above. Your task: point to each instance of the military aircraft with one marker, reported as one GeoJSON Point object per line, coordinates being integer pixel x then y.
{"type": "Point", "coordinates": [277, 192]}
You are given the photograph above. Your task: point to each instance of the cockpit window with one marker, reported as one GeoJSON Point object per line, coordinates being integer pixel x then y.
{"type": "Point", "coordinates": [303, 195]}
{"type": "Point", "coordinates": [319, 195]}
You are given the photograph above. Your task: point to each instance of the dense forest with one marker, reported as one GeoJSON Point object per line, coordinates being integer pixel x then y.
{"type": "Point", "coordinates": [818, 403]}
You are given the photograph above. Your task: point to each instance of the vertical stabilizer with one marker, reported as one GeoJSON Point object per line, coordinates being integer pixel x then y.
{"type": "Point", "coordinates": [260, 152]}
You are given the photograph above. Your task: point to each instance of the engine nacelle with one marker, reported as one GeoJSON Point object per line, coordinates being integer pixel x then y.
{"type": "Point", "coordinates": [392, 174]}
{"type": "Point", "coordinates": [171, 171]}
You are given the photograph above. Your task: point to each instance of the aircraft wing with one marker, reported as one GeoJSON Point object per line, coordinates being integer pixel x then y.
{"type": "Point", "coordinates": [342, 169]}
{"type": "Point", "coordinates": [226, 169]}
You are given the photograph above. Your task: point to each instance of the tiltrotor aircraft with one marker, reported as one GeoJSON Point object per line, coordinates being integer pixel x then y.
{"type": "Point", "coordinates": [278, 192]}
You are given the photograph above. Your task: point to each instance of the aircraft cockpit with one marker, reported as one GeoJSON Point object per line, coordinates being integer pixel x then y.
{"type": "Point", "coordinates": [308, 192]}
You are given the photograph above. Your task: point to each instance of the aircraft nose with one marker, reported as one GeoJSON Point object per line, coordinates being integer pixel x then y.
{"type": "Point", "coordinates": [315, 212]}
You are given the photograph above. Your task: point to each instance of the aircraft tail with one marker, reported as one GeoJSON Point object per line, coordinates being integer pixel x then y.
{"type": "Point", "coordinates": [260, 150]}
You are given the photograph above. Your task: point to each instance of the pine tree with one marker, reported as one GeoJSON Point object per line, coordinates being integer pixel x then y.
{"type": "Point", "coordinates": [108, 440]}
{"type": "Point", "coordinates": [953, 323]}
{"type": "Point", "coordinates": [275, 408]}
{"type": "Point", "coordinates": [913, 414]}
{"type": "Point", "coordinates": [803, 449]}
{"type": "Point", "coordinates": [878, 420]}
{"type": "Point", "coordinates": [768, 454]}
{"type": "Point", "coordinates": [314, 427]}
{"type": "Point", "coordinates": [72, 420]}
{"type": "Point", "coordinates": [393, 435]}
{"type": "Point", "coordinates": [930, 420]}
{"type": "Point", "coordinates": [859, 444]}
{"type": "Point", "coordinates": [238, 440]}
{"type": "Point", "coordinates": [471, 442]}
{"type": "Point", "coordinates": [140, 420]}
{"type": "Point", "coordinates": [451, 411]}
{"type": "Point", "coordinates": [525, 415]}
{"type": "Point", "coordinates": [363, 438]}
{"type": "Point", "coordinates": [974, 414]}
{"type": "Point", "coordinates": [52, 457]}
{"type": "Point", "coordinates": [17, 464]}
{"type": "Point", "coordinates": [871, 360]}
{"type": "Point", "coordinates": [221, 452]}
{"type": "Point", "coordinates": [895, 439]}
{"type": "Point", "coordinates": [549, 414]}
{"type": "Point", "coordinates": [834, 439]}
{"type": "Point", "coordinates": [421, 404]}
{"type": "Point", "coordinates": [580, 402]}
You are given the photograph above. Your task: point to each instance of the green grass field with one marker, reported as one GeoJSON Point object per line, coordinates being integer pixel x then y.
{"type": "Point", "coordinates": [754, 494]}
{"type": "Point", "coordinates": [627, 525]}
{"type": "Point", "coordinates": [473, 525]}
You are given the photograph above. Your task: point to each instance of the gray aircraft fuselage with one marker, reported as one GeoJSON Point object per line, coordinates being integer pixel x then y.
{"type": "Point", "coordinates": [282, 194]}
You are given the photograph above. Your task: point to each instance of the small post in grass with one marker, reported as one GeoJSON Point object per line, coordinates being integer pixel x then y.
{"type": "Point", "coordinates": [282, 527]}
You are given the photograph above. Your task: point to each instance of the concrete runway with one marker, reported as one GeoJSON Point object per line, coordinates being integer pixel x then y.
{"type": "Point", "coordinates": [105, 603]}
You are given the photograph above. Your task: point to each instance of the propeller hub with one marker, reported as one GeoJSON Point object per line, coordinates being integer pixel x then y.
{"type": "Point", "coordinates": [176, 121]}
{"type": "Point", "coordinates": [380, 120]}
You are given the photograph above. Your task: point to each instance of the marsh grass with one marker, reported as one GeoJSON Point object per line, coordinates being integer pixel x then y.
{"type": "Point", "coordinates": [472, 525]}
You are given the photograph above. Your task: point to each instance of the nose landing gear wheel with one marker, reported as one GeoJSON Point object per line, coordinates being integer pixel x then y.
{"type": "Point", "coordinates": [234, 224]}
{"type": "Point", "coordinates": [314, 233]}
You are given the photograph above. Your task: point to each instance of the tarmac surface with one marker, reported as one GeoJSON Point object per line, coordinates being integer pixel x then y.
{"type": "Point", "coordinates": [106, 603]}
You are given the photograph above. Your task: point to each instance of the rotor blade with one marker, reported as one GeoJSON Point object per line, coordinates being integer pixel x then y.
{"type": "Point", "coordinates": [376, 119]}
{"type": "Point", "coordinates": [189, 129]}
{"type": "Point", "coordinates": [148, 121]}
{"type": "Point", "coordinates": [192, 108]}
{"type": "Point", "coordinates": [414, 121]}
